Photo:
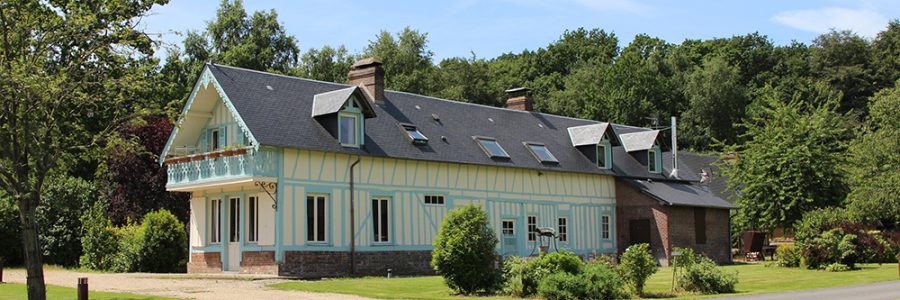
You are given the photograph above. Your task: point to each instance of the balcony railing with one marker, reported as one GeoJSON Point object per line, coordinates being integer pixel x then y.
{"type": "Point", "coordinates": [221, 165]}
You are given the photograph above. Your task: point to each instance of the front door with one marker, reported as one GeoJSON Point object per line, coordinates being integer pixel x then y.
{"type": "Point", "coordinates": [234, 234]}
{"type": "Point", "coordinates": [639, 231]}
{"type": "Point", "coordinates": [509, 243]}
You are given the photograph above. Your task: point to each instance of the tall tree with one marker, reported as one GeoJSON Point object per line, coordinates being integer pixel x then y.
{"type": "Point", "coordinates": [717, 102]}
{"type": "Point", "coordinates": [886, 55]}
{"type": "Point", "coordinates": [791, 160]}
{"type": "Point", "coordinates": [326, 64]}
{"type": "Point", "coordinates": [70, 72]}
{"type": "Point", "coordinates": [843, 59]}
{"type": "Point", "coordinates": [874, 158]}
{"type": "Point", "coordinates": [406, 58]}
{"type": "Point", "coordinates": [467, 80]}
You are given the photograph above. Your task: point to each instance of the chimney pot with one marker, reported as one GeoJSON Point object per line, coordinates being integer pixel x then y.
{"type": "Point", "coordinates": [368, 74]}
{"type": "Point", "coordinates": [519, 99]}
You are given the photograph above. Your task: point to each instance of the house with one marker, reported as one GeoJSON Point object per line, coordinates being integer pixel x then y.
{"type": "Point", "coordinates": [306, 178]}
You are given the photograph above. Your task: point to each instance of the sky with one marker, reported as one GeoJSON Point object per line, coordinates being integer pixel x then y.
{"type": "Point", "coordinates": [490, 28]}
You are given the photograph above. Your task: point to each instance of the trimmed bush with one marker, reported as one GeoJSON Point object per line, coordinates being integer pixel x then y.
{"type": "Point", "coordinates": [157, 244]}
{"type": "Point", "coordinates": [596, 281]}
{"type": "Point", "coordinates": [561, 285]}
{"type": "Point", "coordinates": [787, 255]}
{"type": "Point", "coordinates": [465, 250]}
{"type": "Point", "coordinates": [523, 277]}
{"type": "Point", "coordinates": [706, 277]}
{"type": "Point", "coordinates": [637, 265]}
{"type": "Point", "coordinates": [164, 243]}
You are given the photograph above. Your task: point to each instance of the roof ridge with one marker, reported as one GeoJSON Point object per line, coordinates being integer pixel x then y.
{"type": "Point", "coordinates": [279, 75]}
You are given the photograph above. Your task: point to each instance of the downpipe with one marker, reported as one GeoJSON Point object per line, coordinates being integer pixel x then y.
{"type": "Point", "coordinates": [352, 220]}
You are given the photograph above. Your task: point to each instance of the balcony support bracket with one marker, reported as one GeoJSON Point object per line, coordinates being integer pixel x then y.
{"type": "Point", "coordinates": [270, 188]}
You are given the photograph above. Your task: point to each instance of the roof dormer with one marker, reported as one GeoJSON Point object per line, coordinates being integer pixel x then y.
{"type": "Point", "coordinates": [342, 113]}
{"type": "Point", "coordinates": [641, 142]}
{"type": "Point", "coordinates": [594, 142]}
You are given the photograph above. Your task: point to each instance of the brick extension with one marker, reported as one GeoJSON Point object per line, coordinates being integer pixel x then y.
{"type": "Point", "coordinates": [316, 264]}
{"type": "Point", "coordinates": [670, 226]}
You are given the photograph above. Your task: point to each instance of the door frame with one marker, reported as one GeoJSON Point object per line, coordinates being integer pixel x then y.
{"type": "Point", "coordinates": [233, 244]}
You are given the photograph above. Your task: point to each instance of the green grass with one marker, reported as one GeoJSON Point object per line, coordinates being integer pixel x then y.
{"type": "Point", "coordinates": [753, 279]}
{"type": "Point", "coordinates": [18, 291]}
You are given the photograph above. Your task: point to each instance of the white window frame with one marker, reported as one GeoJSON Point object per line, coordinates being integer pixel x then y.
{"type": "Point", "coordinates": [314, 239]}
{"type": "Point", "coordinates": [653, 160]}
{"type": "Point", "coordinates": [605, 227]}
{"type": "Point", "coordinates": [607, 161]}
{"type": "Point", "coordinates": [378, 224]}
{"type": "Point", "coordinates": [563, 229]}
{"type": "Point", "coordinates": [234, 219]}
{"type": "Point", "coordinates": [356, 129]}
{"type": "Point", "coordinates": [433, 197]}
{"type": "Point", "coordinates": [532, 227]}
{"type": "Point", "coordinates": [215, 220]}
{"type": "Point", "coordinates": [252, 219]}
{"type": "Point", "coordinates": [512, 229]}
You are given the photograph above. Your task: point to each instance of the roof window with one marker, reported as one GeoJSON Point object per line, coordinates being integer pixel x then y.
{"type": "Point", "coordinates": [541, 152]}
{"type": "Point", "coordinates": [413, 133]}
{"type": "Point", "coordinates": [491, 147]}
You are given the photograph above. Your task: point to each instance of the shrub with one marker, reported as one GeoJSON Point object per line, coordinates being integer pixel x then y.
{"type": "Point", "coordinates": [687, 258]}
{"type": "Point", "coordinates": [98, 240]}
{"type": "Point", "coordinates": [636, 265]}
{"type": "Point", "coordinates": [10, 232]}
{"type": "Point", "coordinates": [707, 278]}
{"type": "Point", "coordinates": [546, 264]}
{"type": "Point", "coordinates": [464, 251]}
{"type": "Point", "coordinates": [163, 243]}
{"type": "Point", "coordinates": [64, 200]}
{"type": "Point", "coordinates": [596, 281]}
{"type": "Point", "coordinates": [815, 222]}
{"type": "Point", "coordinates": [837, 267]}
{"type": "Point", "coordinates": [787, 255]}
{"type": "Point", "coordinates": [513, 272]}
{"type": "Point", "coordinates": [129, 256]}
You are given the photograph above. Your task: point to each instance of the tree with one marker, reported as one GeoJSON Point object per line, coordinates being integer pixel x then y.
{"type": "Point", "coordinates": [466, 80]}
{"type": "Point", "coordinates": [69, 73]}
{"type": "Point", "coordinates": [790, 161]}
{"type": "Point", "coordinates": [717, 102]}
{"type": "Point", "coordinates": [406, 58]}
{"type": "Point", "coordinates": [326, 64]}
{"type": "Point", "coordinates": [886, 55]}
{"type": "Point", "coordinates": [873, 162]}
{"type": "Point", "coordinates": [843, 59]}
{"type": "Point", "coordinates": [136, 181]}
{"type": "Point", "coordinates": [65, 200]}
{"type": "Point", "coordinates": [465, 250]}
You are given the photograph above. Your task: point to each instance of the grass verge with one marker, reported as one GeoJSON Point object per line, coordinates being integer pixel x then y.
{"type": "Point", "coordinates": [753, 279]}
{"type": "Point", "coordinates": [19, 291]}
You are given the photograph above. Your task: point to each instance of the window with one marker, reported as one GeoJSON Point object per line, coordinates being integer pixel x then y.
{"type": "Point", "coordinates": [605, 227]}
{"type": "Point", "coordinates": [700, 225]}
{"type": "Point", "coordinates": [508, 227]}
{"type": "Point", "coordinates": [541, 152]}
{"type": "Point", "coordinates": [234, 228]}
{"type": "Point", "coordinates": [491, 147]}
{"type": "Point", "coordinates": [532, 228]}
{"type": "Point", "coordinates": [653, 160]}
{"type": "Point", "coordinates": [414, 134]}
{"type": "Point", "coordinates": [315, 218]}
{"type": "Point", "coordinates": [380, 215]}
{"type": "Point", "coordinates": [603, 156]}
{"type": "Point", "coordinates": [252, 220]}
{"type": "Point", "coordinates": [347, 130]}
{"type": "Point", "coordinates": [434, 199]}
{"type": "Point", "coordinates": [215, 235]}
{"type": "Point", "coordinates": [563, 233]}
{"type": "Point", "coordinates": [214, 140]}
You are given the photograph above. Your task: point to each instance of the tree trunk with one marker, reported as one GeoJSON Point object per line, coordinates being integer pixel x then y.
{"type": "Point", "coordinates": [34, 262]}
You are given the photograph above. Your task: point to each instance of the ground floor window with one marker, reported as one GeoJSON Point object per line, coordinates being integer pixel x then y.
{"type": "Point", "coordinates": [605, 224]}
{"type": "Point", "coordinates": [252, 220]}
{"type": "Point", "coordinates": [532, 228]}
{"type": "Point", "coordinates": [315, 218]}
{"type": "Point", "coordinates": [508, 227]}
{"type": "Point", "coordinates": [563, 233]}
{"type": "Point", "coordinates": [215, 226]}
{"type": "Point", "coordinates": [380, 220]}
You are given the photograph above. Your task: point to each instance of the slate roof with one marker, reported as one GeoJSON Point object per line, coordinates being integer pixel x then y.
{"type": "Point", "coordinates": [332, 102]}
{"type": "Point", "coordinates": [680, 194]}
{"type": "Point", "coordinates": [277, 110]}
{"type": "Point", "coordinates": [718, 182]}
{"type": "Point", "coordinates": [587, 134]}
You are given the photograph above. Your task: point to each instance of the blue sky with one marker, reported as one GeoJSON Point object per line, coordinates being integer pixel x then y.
{"type": "Point", "coordinates": [491, 28]}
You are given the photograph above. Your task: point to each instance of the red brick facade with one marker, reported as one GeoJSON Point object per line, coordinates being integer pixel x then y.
{"type": "Point", "coordinates": [670, 226]}
{"type": "Point", "coordinates": [315, 264]}
{"type": "Point", "coordinates": [259, 262]}
{"type": "Point", "coordinates": [205, 262]}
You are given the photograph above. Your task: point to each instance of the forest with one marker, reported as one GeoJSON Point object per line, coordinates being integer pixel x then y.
{"type": "Point", "coordinates": [806, 125]}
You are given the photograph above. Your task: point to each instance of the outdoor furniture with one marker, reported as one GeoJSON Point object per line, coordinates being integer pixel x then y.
{"type": "Point", "coordinates": [752, 245]}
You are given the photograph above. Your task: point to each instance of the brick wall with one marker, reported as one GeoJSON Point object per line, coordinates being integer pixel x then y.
{"type": "Point", "coordinates": [316, 264]}
{"type": "Point", "coordinates": [259, 262]}
{"type": "Point", "coordinates": [670, 226]}
{"type": "Point", "coordinates": [205, 262]}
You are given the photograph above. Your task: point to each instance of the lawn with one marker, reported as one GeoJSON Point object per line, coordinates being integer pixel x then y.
{"type": "Point", "coordinates": [18, 291]}
{"type": "Point", "coordinates": [754, 279]}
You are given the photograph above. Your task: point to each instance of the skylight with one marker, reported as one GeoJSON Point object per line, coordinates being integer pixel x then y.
{"type": "Point", "coordinates": [414, 134]}
{"type": "Point", "coordinates": [541, 152]}
{"type": "Point", "coordinates": [491, 147]}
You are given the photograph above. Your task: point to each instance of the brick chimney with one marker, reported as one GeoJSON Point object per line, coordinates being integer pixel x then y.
{"type": "Point", "coordinates": [368, 74]}
{"type": "Point", "coordinates": [519, 99]}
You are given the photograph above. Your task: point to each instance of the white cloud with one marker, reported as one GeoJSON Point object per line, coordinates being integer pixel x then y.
{"type": "Point", "coordinates": [630, 6]}
{"type": "Point", "coordinates": [865, 22]}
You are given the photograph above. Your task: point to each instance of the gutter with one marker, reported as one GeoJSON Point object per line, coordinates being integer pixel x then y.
{"type": "Point", "coordinates": [352, 221]}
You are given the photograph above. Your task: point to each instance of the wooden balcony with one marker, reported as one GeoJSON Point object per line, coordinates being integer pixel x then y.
{"type": "Point", "coordinates": [220, 168]}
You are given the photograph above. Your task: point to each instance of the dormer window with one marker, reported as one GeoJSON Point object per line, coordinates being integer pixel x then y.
{"type": "Point", "coordinates": [541, 153]}
{"type": "Point", "coordinates": [347, 131]}
{"type": "Point", "coordinates": [342, 113]}
{"type": "Point", "coordinates": [413, 133]}
{"type": "Point", "coordinates": [653, 159]}
{"type": "Point", "coordinates": [491, 147]}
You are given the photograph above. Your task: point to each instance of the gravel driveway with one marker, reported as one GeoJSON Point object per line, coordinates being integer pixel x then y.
{"type": "Point", "coordinates": [186, 286]}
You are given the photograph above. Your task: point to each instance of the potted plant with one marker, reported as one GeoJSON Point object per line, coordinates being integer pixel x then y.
{"type": "Point", "coordinates": [241, 150]}
{"type": "Point", "coordinates": [229, 151]}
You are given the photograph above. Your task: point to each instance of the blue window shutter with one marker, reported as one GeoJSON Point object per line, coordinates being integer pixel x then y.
{"type": "Point", "coordinates": [223, 137]}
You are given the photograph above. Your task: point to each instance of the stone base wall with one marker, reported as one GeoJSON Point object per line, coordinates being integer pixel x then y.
{"type": "Point", "coordinates": [205, 262]}
{"type": "Point", "coordinates": [259, 262]}
{"type": "Point", "coordinates": [317, 264]}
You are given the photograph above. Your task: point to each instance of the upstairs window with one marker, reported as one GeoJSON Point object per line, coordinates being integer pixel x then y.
{"type": "Point", "coordinates": [491, 147]}
{"type": "Point", "coordinates": [653, 158]}
{"type": "Point", "coordinates": [413, 133]}
{"type": "Point", "coordinates": [603, 156]}
{"type": "Point", "coordinates": [214, 139]}
{"type": "Point", "coordinates": [347, 129]}
{"type": "Point", "coordinates": [434, 199]}
{"type": "Point", "coordinates": [541, 153]}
